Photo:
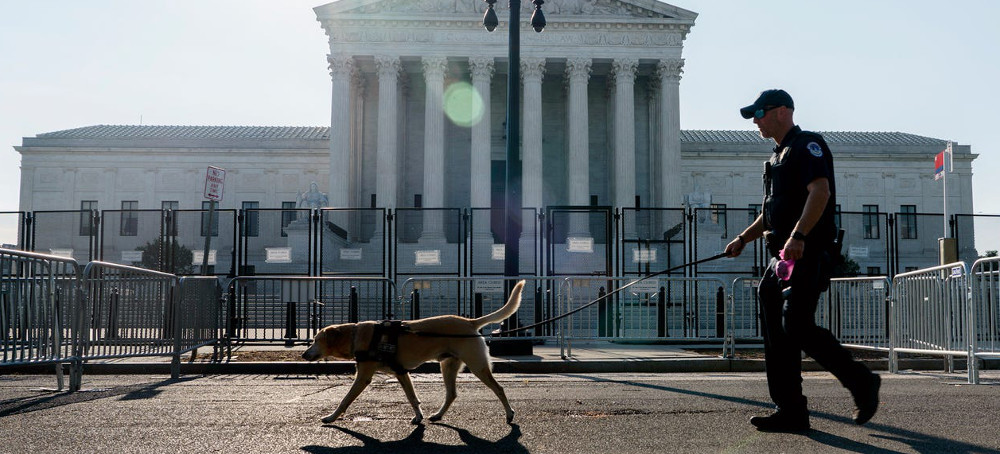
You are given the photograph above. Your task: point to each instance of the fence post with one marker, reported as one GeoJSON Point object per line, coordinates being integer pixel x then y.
{"type": "Point", "coordinates": [353, 306]}
{"type": "Point", "coordinates": [720, 313]}
{"type": "Point", "coordinates": [538, 309]}
{"type": "Point", "coordinates": [477, 305]}
{"type": "Point", "coordinates": [661, 313]}
{"type": "Point", "coordinates": [415, 305]}
{"type": "Point", "coordinates": [602, 314]}
{"type": "Point", "coordinates": [290, 323]}
{"type": "Point", "coordinates": [174, 322]}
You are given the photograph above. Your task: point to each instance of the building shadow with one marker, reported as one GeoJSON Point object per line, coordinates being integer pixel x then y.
{"type": "Point", "coordinates": [49, 400]}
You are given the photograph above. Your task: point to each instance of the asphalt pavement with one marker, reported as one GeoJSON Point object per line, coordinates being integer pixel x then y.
{"type": "Point", "coordinates": [556, 413]}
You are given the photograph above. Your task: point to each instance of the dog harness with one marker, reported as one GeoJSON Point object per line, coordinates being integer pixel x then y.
{"type": "Point", "coordinates": [384, 345]}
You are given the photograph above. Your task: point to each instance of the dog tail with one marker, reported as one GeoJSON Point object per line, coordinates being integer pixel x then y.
{"type": "Point", "coordinates": [507, 310]}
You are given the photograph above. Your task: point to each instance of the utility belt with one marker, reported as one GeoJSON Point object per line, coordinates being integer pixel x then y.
{"type": "Point", "coordinates": [774, 245]}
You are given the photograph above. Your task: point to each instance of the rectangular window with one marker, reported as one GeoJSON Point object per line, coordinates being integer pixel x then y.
{"type": "Point", "coordinates": [718, 213]}
{"type": "Point", "coordinates": [870, 222]}
{"type": "Point", "coordinates": [130, 219]}
{"type": "Point", "coordinates": [251, 219]}
{"type": "Point", "coordinates": [288, 214]}
{"type": "Point", "coordinates": [206, 205]}
{"type": "Point", "coordinates": [836, 216]}
{"type": "Point", "coordinates": [87, 209]}
{"type": "Point", "coordinates": [908, 222]}
{"type": "Point", "coordinates": [874, 271]}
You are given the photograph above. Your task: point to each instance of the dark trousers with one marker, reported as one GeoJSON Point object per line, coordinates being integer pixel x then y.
{"type": "Point", "coordinates": [790, 327]}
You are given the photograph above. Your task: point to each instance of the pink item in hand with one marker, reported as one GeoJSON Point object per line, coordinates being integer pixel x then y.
{"type": "Point", "coordinates": [784, 267]}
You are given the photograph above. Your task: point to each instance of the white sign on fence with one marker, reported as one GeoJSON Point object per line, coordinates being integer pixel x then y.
{"type": "Point", "coordinates": [350, 254]}
{"type": "Point", "coordinates": [131, 256]}
{"type": "Point", "coordinates": [278, 255]}
{"type": "Point", "coordinates": [857, 252]}
{"type": "Point", "coordinates": [431, 257]}
{"type": "Point", "coordinates": [498, 252]}
{"type": "Point", "coordinates": [199, 257]}
{"type": "Point", "coordinates": [68, 253]}
{"type": "Point", "coordinates": [489, 286]}
{"type": "Point", "coordinates": [580, 244]}
{"type": "Point", "coordinates": [643, 255]}
{"type": "Point", "coordinates": [215, 180]}
{"type": "Point", "coordinates": [647, 286]}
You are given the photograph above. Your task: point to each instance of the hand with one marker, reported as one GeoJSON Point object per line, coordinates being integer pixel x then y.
{"type": "Point", "coordinates": [794, 249]}
{"type": "Point", "coordinates": [735, 247]}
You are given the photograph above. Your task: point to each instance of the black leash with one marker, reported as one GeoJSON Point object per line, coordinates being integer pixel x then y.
{"type": "Point", "coordinates": [599, 299]}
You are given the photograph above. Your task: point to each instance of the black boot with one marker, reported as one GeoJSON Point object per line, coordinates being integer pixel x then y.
{"type": "Point", "coordinates": [782, 421]}
{"type": "Point", "coordinates": [866, 400]}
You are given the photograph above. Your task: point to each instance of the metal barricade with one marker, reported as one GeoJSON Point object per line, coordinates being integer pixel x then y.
{"type": "Point", "coordinates": [652, 309]}
{"type": "Point", "coordinates": [199, 314]}
{"type": "Point", "coordinates": [985, 335]}
{"type": "Point", "coordinates": [129, 312]}
{"type": "Point", "coordinates": [856, 311]}
{"type": "Point", "coordinates": [930, 314]}
{"type": "Point", "coordinates": [292, 309]}
{"type": "Point", "coordinates": [742, 314]}
{"type": "Point", "coordinates": [38, 299]}
{"type": "Point", "coordinates": [474, 297]}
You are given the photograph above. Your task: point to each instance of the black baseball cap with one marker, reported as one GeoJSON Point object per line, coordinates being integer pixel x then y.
{"type": "Point", "coordinates": [768, 98]}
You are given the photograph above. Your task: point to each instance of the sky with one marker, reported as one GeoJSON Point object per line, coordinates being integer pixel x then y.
{"type": "Point", "coordinates": [914, 66]}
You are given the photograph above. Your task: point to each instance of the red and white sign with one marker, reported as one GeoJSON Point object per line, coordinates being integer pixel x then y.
{"type": "Point", "coordinates": [215, 180]}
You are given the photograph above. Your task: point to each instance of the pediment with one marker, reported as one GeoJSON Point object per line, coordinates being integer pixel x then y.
{"type": "Point", "coordinates": [608, 9]}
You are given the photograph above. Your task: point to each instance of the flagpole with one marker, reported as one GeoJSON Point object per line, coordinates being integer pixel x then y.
{"type": "Point", "coordinates": [944, 162]}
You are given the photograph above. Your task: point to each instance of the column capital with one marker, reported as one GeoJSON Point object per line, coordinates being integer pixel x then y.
{"type": "Point", "coordinates": [340, 65]}
{"type": "Point", "coordinates": [624, 68]}
{"type": "Point", "coordinates": [578, 67]}
{"type": "Point", "coordinates": [434, 66]}
{"type": "Point", "coordinates": [481, 67]}
{"type": "Point", "coordinates": [532, 67]}
{"type": "Point", "coordinates": [387, 65]}
{"type": "Point", "coordinates": [670, 69]}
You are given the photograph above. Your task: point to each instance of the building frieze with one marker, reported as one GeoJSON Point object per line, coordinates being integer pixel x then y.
{"type": "Point", "coordinates": [418, 33]}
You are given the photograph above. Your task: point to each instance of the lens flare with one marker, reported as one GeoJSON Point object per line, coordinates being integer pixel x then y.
{"type": "Point", "coordinates": [463, 104]}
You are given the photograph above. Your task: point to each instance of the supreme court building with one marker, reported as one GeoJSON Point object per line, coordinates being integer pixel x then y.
{"type": "Point", "coordinates": [418, 106]}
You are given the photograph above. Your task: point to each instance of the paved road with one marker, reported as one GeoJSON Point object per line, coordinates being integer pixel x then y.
{"type": "Point", "coordinates": [557, 413]}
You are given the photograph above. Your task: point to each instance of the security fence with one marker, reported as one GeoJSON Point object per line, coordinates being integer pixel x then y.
{"type": "Point", "coordinates": [415, 242]}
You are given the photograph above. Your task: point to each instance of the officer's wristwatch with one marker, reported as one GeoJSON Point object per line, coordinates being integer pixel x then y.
{"type": "Point", "coordinates": [798, 236]}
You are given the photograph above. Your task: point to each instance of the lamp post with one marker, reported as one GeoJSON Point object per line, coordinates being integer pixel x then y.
{"type": "Point", "coordinates": [512, 194]}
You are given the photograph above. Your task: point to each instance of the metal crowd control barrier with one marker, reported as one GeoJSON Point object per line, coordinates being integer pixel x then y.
{"type": "Point", "coordinates": [742, 314]}
{"type": "Point", "coordinates": [985, 276]}
{"type": "Point", "coordinates": [856, 311]}
{"type": "Point", "coordinates": [474, 297]}
{"type": "Point", "coordinates": [293, 309]}
{"type": "Point", "coordinates": [656, 308]}
{"type": "Point", "coordinates": [930, 313]}
{"type": "Point", "coordinates": [38, 300]}
{"type": "Point", "coordinates": [133, 312]}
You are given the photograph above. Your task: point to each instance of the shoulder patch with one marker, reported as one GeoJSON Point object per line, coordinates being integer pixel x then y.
{"type": "Point", "coordinates": [815, 149]}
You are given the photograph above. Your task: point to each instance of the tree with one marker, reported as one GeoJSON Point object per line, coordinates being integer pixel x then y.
{"type": "Point", "coordinates": [846, 267]}
{"type": "Point", "coordinates": [181, 257]}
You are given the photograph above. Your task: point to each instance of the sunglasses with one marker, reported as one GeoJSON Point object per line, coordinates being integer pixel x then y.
{"type": "Point", "coordinates": [759, 113]}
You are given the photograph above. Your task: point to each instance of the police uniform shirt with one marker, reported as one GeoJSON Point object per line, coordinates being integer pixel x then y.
{"type": "Point", "coordinates": [801, 158]}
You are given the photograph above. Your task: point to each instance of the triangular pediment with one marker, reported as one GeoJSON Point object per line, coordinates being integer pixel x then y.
{"type": "Point", "coordinates": [646, 9]}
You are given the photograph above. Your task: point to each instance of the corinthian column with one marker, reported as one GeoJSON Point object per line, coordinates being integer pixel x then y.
{"type": "Point", "coordinates": [386, 151]}
{"type": "Point", "coordinates": [340, 130]}
{"type": "Point", "coordinates": [434, 147]}
{"type": "Point", "coordinates": [577, 75]}
{"type": "Point", "coordinates": [624, 145]}
{"type": "Point", "coordinates": [532, 70]}
{"type": "Point", "coordinates": [669, 71]}
{"type": "Point", "coordinates": [482, 72]}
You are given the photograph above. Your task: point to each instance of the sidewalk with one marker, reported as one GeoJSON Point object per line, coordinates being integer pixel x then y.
{"type": "Point", "coordinates": [580, 357]}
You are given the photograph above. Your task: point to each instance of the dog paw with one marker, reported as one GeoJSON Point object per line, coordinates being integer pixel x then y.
{"type": "Point", "coordinates": [329, 419]}
{"type": "Point", "coordinates": [510, 417]}
{"type": "Point", "coordinates": [435, 417]}
{"type": "Point", "coordinates": [417, 419]}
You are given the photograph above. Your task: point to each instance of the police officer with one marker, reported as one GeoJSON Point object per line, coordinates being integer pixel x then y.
{"type": "Point", "coordinates": [798, 210]}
